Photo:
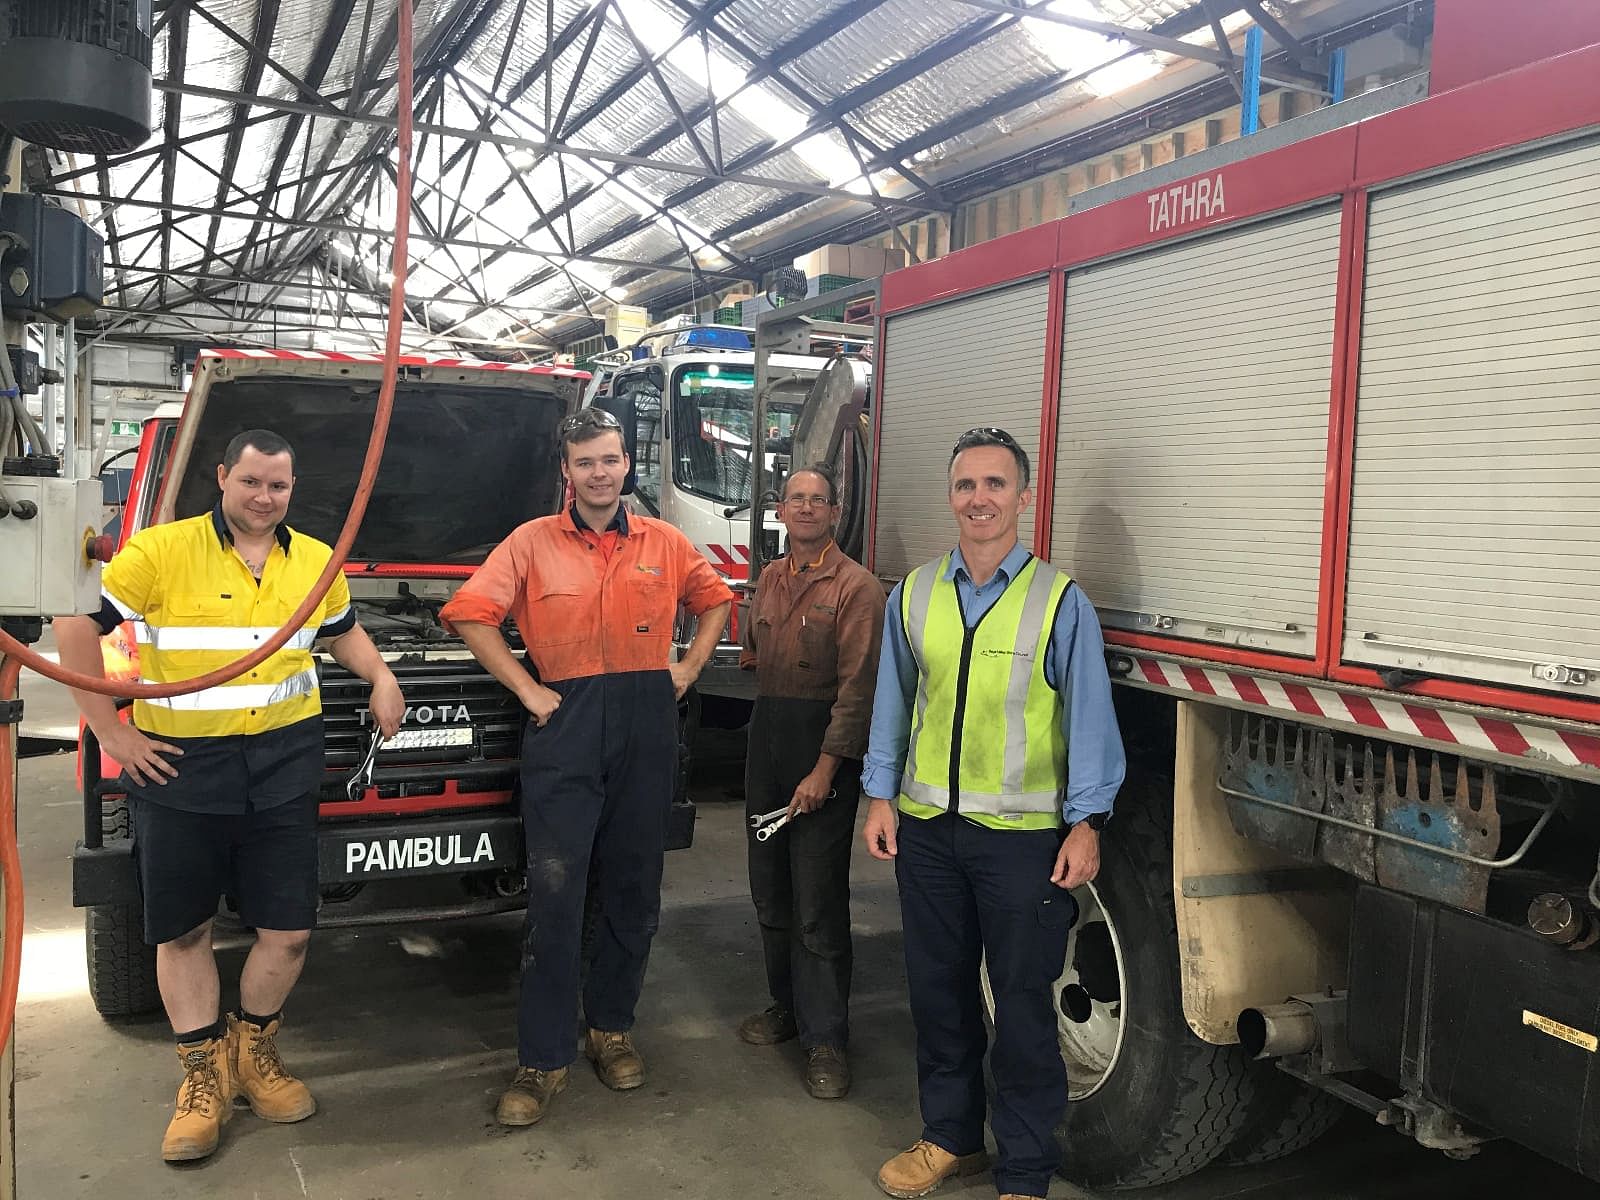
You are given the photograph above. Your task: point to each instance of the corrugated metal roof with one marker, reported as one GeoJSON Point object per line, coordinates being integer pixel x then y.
{"type": "Point", "coordinates": [802, 90]}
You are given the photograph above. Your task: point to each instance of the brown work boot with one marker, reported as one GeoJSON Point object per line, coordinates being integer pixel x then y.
{"type": "Point", "coordinates": [827, 1073]}
{"type": "Point", "coordinates": [615, 1060]}
{"type": "Point", "coordinates": [205, 1101]}
{"type": "Point", "coordinates": [259, 1075]}
{"type": "Point", "coordinates": [528, 1098]}
{"type": "Point", "coordinates": [768, 1028]}
{"type": "Point", "coordinates": [924, 1167]}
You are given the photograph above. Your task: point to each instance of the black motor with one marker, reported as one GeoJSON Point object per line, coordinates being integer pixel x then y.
{"type": "Point", "coordinates": [75, 74]}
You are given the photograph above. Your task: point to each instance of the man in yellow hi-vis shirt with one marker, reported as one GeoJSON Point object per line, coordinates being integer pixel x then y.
{"type": "Point", "coordinates": [223, 783]}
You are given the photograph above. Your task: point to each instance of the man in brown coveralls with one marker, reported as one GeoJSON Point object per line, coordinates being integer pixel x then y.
{"type": "Point", "coordinates": [812, 639]}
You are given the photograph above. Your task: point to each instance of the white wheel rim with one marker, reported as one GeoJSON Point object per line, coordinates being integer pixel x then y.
{"type": "Point", "coordinates": [1090, 1007]}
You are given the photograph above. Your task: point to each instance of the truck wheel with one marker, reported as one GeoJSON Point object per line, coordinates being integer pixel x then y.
{"type": "Point", "coordinates": [1285, 1116]}
{"type": "Point", "coordinates": [1149, 1101]}
{"type": "Point", "coordinates": [122, 968]}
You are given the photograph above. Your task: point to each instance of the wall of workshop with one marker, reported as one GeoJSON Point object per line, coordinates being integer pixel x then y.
{"type": "Point", "coordinates": [130, 381]}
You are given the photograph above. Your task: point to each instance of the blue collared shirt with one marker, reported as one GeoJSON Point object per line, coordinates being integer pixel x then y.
{"type": "Point", "coordinates": [1074, 665]}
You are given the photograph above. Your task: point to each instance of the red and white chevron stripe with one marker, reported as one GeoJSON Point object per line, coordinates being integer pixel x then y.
{"type": "Point", "coordinates": [1456, 728]}
{"type": "Point", "coordinates": [731, 562]}
{"type": "Point", "coordinates": [414, 360]}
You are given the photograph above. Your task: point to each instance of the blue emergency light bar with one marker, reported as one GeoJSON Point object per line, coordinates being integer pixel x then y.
{"type": "Point", "coordinates": [705, 337]}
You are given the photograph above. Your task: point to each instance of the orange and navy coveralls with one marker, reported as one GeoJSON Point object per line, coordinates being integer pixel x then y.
{"type": "Point", "coordinates": [596, 612]}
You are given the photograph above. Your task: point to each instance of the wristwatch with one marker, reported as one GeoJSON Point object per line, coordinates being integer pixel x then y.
{"type": "Point", "coordinates": [1095, 821]}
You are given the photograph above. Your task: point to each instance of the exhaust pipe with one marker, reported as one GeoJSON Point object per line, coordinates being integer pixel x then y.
{"type": "Point", "coordinates": [510, 883]}
{"type": "Point", "coordinates": [1275, 1030]}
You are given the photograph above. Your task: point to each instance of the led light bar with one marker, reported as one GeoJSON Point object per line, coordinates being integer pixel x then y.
{"type": "Point", "coordinates": [429, 739]}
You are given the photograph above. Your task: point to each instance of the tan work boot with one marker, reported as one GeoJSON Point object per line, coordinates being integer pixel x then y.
{"type": "Point", "coordinates": [259, 1074]}
{"type": "Point", "coordinates": [528, 1098]}
{"type": "Point", "coordinates": [615, 1060]}
{"type": "Point", "coordinates": [205, 1101]}
{"type": "Point", "coordinates": [1017, 1196]}
{"type": "Point", "coordinates": [921, 1169]}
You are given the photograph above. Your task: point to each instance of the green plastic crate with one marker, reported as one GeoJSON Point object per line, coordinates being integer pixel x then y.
{"type": "Point", "coordinates": [828, 283]}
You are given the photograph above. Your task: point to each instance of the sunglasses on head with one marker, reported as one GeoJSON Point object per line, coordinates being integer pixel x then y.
{"type": "Point", "coordinates": [985, 435]}
{"type": "Point", "coordinates": [589, 418]}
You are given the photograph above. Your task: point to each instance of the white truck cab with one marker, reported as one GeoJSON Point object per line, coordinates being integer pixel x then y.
{"type": "Point", "coordinates": [686, 398]}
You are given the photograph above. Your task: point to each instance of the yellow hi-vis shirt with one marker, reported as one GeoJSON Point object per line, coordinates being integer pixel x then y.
{"type": "Point", "coordinates": [196, 607]}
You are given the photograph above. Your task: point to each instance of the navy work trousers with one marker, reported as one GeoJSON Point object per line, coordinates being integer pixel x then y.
{"type": "Point", "coordinates": [970, 894]}
{"type": "Point", "coordinates": [800, 877]}
{"type": "Point", "coordinates": [596, 792]}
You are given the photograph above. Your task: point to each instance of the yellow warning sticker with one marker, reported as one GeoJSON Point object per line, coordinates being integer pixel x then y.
{"type": "Point", "coordinates": [1565, 1032]}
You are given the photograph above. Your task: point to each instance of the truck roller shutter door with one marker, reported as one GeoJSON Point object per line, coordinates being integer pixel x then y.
{"type": "Point", "coordinates": [978, 361]}
{"type": "Point", "coordinates": [1193, 433]}
{"type": "Point", "coordinates": [1475, 505]}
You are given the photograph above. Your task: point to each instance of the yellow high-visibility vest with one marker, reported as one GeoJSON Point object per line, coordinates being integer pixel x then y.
{"type": "Point", "coordinates": [196, 607]}
{"type": "Point", "coordinates": [986, 737]}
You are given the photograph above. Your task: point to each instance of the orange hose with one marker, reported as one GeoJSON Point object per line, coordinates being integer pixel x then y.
{"type": "Point", "coordinates": [14, 655]}
{"type": "Point", "coordinates": [11, 648]}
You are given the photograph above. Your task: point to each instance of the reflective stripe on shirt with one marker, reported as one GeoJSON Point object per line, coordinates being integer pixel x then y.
{"type": "Point", "coordinates": [216, 637]}
{"type": "Point", "coordinates": [230, 697]}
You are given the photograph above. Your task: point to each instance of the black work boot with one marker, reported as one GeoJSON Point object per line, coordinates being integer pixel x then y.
{"type": "Point", "coordinates": [768, 1028]}
{"type": "Point", "coordinates": [827, 1073]}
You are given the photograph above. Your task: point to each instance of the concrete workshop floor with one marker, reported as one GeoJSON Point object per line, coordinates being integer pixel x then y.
{"type": "Point", "coordinates": [407, 1037]}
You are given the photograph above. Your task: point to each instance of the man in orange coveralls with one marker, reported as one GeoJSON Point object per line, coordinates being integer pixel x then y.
{"type": "Point", "coordinates": [594, 591]}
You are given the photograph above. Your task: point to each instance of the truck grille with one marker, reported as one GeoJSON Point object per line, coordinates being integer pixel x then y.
{"type": "Point", "coordinates": [438, 695]}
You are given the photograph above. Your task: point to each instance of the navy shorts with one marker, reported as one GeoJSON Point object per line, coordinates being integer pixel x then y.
{"type": "Point", "coordinates": [266, 859]}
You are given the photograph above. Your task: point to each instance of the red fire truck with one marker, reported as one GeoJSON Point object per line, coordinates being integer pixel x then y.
{"type": "Point", "coordinates": [1315, 430]}
{"type": "Point", "coordinates": [425, 826]}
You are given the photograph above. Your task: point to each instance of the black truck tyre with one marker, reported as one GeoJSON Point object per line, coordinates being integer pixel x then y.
{"type": "Point", "coordinates": [122, 968]}
{"type": "Point", "coordinates": [1166, 1103]}
{"type": "Point", "coordinates": [1285, 1116]}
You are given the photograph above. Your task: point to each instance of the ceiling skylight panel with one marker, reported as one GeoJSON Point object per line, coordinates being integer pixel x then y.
{"type": "Point", "coordinates": [1077, 51]}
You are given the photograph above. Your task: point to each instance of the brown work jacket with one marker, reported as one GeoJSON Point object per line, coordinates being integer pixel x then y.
{"type": "Point", "coordinates": [813, 634]}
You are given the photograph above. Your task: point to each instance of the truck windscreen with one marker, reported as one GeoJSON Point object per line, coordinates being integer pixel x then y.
{"type": "Point", "coordinates": [712, 410]}
{"type": "Point", "coordinates": [463, 467]}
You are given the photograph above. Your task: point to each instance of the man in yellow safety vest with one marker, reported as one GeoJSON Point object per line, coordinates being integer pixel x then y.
{"type": "Point", "coordinates": [994, 737]}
